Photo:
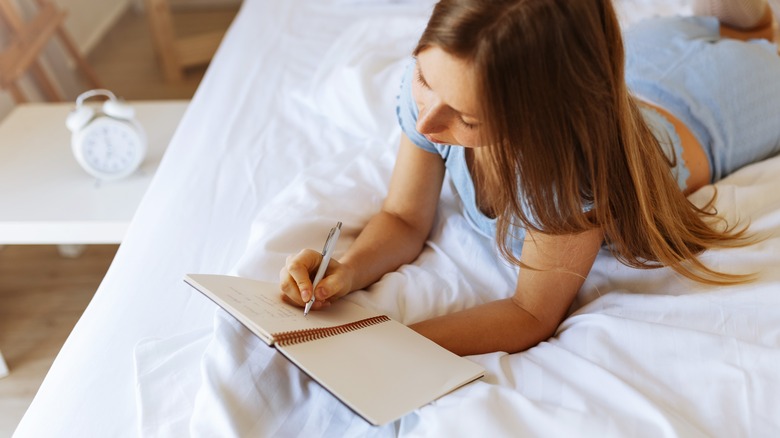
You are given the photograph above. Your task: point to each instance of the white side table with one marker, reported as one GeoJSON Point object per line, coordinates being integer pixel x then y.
{"type": "Point", "coordinates": [46, 198]}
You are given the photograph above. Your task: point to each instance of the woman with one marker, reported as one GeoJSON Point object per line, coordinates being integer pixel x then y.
{"type": "Point", "coordinates": [562, 144]}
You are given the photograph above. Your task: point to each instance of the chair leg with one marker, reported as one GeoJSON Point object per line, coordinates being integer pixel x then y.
{"type": "Point", "coordinates": [161, 26]}
{"type": "Point", "coordinates": [47, 86]}
{"type": "Point", "coordinates": [17, 93]}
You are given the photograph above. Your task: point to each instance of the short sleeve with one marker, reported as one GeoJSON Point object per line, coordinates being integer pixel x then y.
{"type": "Point", "coordinates": [407, 111]}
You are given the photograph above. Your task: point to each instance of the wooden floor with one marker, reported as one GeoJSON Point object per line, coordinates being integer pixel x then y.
{"type": "Point", "coordinates": [42, 295]}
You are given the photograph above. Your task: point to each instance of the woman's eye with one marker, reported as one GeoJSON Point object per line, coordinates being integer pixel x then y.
{"type": "Point", "coordinates": [420, 79]}
{"type": "Point", "coordinates": [466, 124]}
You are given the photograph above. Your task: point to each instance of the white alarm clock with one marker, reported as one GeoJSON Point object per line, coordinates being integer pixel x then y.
{"type": "Point", "coordinates": [110, 143]}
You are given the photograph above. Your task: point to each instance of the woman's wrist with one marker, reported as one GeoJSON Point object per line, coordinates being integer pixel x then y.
{"type": "Point", "coordinates": [351, 276]}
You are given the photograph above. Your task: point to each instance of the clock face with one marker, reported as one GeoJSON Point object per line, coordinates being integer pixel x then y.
{"type": "Point", "coordinates": [110, 149]}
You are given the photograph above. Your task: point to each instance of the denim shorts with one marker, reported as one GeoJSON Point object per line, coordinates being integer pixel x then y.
{"type": "Point", "coordinates": [726, 91]}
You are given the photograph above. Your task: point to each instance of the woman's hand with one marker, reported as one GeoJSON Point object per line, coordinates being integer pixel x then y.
{"type": "Point", "coordinates": [296, 275]}
{"type": "Point", "coordinates": [392, 237]}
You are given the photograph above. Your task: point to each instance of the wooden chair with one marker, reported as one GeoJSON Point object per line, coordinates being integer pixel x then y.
{"type": "Point", "coordinates": [27, 41]}
{"type": "Point", "coordinates": [178, 53]}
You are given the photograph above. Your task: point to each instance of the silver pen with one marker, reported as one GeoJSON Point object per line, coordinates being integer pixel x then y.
{"type": "Point", "coordinates": [327, 252]}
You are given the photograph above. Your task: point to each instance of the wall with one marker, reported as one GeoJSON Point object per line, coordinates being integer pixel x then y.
{"type": "Point", "coordinates": [87, 22]}
{"type": "Point", "coordinates": [194, 3]}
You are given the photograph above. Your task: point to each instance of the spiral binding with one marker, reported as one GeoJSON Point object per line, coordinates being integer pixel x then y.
{"type": "Point", "coordinates": [306, 335]}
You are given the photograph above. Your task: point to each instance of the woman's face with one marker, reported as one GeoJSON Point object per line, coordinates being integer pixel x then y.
{"type": "Point", "coordinates": [445, 92]}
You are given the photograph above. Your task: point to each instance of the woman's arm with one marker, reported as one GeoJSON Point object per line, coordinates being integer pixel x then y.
{"type": "Point", "coordinates": [396, 234]}
{"type": "Point", "coordinates": [392, 237]}
{"type": "Point", "coordinates": [542, 298]}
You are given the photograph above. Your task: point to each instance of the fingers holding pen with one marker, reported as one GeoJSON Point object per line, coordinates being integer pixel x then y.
{"type": "Point", "coordinates": [336, 283]}
{"type": "Point", "coordinates": [295, 277]}
{"type": "Point", "coordinates": [296, 283]}
{"type": "Point", "coordinates": [296, 280]}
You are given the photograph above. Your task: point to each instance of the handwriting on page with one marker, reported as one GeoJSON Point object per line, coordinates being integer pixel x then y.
{"type": "Point", "coordinates": [262, 306]}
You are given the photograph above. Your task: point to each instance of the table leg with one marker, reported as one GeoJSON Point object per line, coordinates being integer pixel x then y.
{"type": "Point", "coordinates": [71, 251]}
{"type": "Point", "coordinates": [3, 366]}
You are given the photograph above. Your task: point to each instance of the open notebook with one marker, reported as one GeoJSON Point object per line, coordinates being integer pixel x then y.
{"type": "Point", "coordinates": [378, 367]}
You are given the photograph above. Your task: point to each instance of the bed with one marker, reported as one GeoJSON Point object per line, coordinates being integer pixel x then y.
{"type": "Point", "coordinates": [292, 129]}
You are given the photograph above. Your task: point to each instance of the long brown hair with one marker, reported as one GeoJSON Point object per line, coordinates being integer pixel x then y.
{"type": "Point", "coordinates": [566, 136]}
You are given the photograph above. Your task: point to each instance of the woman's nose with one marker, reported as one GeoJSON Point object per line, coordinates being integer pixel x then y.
{"type": "Point", "coordinates": [431, 119]}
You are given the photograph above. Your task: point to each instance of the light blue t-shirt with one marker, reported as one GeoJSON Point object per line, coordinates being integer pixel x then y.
{"type": "Point", "coordinates": [455, 158]}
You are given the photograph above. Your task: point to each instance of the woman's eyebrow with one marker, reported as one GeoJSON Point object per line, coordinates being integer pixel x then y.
{"type": "Point", "coordinates": [421, 77]}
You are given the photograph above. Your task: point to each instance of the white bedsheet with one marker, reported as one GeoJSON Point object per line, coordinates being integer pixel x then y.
{"type": "Point", "coordinates": [288, 133]}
